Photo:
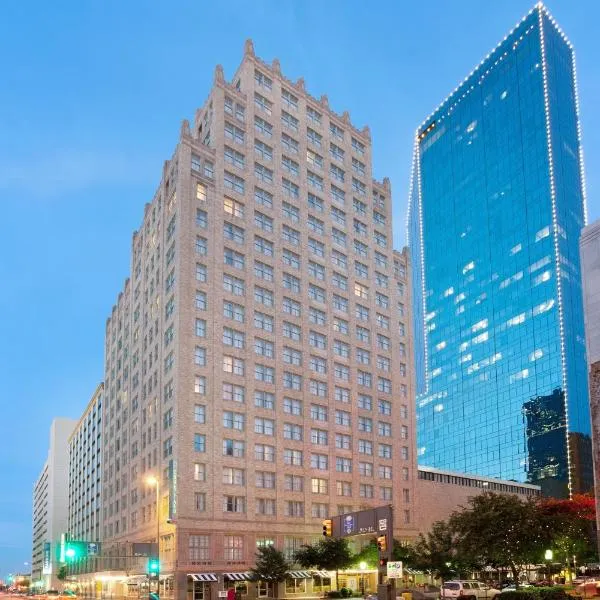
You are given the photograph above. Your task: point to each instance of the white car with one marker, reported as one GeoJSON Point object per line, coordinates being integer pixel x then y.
{"type": "Point", "coordinates": [512, 588]}
{"type": "Point", "coordinates": [467, 590]}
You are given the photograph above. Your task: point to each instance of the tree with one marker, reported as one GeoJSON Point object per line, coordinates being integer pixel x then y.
{"type": "Point", "coordinates": [370, 553]}
{"type": "Point", "coordinates": [271, 565]}
{"type": "Point", "coordinates": [62, 573]}
{"type": "Point", "coordinates": [328, 554]}
{"type": "Point", "coordinates": [572, 523]}
{"type": "Point", "coordinates": [500, 530]}
{"type": "Point", "coordinates": [436, 552]}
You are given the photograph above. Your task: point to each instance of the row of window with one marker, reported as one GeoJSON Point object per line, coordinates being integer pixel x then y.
{"type": "Point", "coordinates": [291, 102]}
{"type": "Point", "coordinates": [292, 457]}
{"type": "Point", "coordinates": [237, 312]}
{"type": "Point", "coordinates": [292, 483]}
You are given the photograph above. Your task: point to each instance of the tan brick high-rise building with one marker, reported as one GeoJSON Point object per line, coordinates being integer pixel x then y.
{"type": "Point", "coordinates": [258, 358]}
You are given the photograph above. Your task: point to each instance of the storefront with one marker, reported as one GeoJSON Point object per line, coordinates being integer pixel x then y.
{"type": "Point", "coordinates": [298, 584]}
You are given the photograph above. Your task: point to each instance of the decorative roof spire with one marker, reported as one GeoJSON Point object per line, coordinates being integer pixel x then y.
{"type": "Point", "coordinates": [185, 128]}
{"type": "Point", "coordinates": [219, 75]}
{"type": "Point", "coordinates": [249, 47]}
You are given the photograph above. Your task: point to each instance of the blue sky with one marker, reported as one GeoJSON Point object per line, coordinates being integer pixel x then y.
{"type": "Point", "coordinates": [92, 97]}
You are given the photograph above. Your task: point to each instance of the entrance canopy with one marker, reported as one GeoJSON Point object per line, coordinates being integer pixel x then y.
{"type": "Point", "coordinates": [203, 576]}
{"type": "Point", "coordinates": [237, 576]}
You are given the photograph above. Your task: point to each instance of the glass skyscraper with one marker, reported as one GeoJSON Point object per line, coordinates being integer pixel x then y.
{"type": "Point", "coordinates": [496, 209]}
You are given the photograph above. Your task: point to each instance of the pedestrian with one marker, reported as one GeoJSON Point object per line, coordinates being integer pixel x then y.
{"type": "Point", "coordinates": [231, 593]}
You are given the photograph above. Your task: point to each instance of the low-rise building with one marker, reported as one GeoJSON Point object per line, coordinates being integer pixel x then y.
{"type": "Point", "coordinates": [440, 493]}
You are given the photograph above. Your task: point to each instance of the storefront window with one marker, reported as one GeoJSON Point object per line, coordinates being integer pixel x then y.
{"type": "Point", "coordinates": [295, 586]}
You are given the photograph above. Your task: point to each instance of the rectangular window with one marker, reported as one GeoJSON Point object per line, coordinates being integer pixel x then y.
{"type": "Point", "coordinates": [289, 143]}
{"type": "Point", "coordinates": [233, 504]}
{"type": "Point", "coordinates": [262, 127]}
{"type": "Point", "coordinates": [199, 413]}
{"type": "Point", "coordinates": [289, 121]}
{"type": "Point", "coordinates": [264, 453]}
{"type": "Point", "coordinates": [234, 338]}
{"type": "Point", "coordinates": [264, 400]}
{"type": "Point", "coordinates": [233, 365]}
{"type": "Point", "coordinates": [233, 182]}
{"type": "Point", "coordinates": [291, 307]}
{"type": "Point", "coordinates": [199, 472]}
{"type": "Point", "coordinates": [233, 232]}
{"type": "Point", "coordinates": [233, 393]}
{"type": "Point", "coordinates": [293, 483]}
{"type": "Point", "coordinates": [264, 348]}
{"type": "Point", "coordinates": [292, 457]}
{"type": "Point", "coordinates": [263, 197]}
{"type": "Point", "coordinates": [264, 373]}
{"type": "Point", "coordinates": [200, 356]}
{"type": "Point", "coordinates": [199, 442]}
{"type": "Point", "coordinates": [233, 420]}
{"type": "Point", "coordinates": [263, 296]}
{"type": "Point", "coordinates": [201, 245]}
{"type": "Point", "coordinates": [292, 406]}
{"type": "Point", "coordinates": [235, 448]}
{"type": "Point", "coordinates": [233, 157]}
{"type": "Point", "coordinates": [262, 103]}
{"type": "Point", "coordinates": [234, 259]}
{"type": "Point", "coordinates": [263, 151]}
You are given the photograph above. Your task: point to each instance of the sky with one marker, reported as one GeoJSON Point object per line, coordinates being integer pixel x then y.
{"type": "Point", "coordinates": [92, 96]}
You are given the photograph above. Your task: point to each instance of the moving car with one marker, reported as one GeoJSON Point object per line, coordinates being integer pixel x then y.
{"type": "Point", "coordinates": [467, 590]}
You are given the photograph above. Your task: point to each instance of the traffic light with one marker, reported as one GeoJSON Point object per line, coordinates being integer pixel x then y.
{"type": "Point", "coordinates": [74, 550]}
{"type": "Point", "coordinates": [327, 532]}
{"type": "Point", "coordinates": [381, 543]}
{"type": "Point", "coordinates": [153, 567]}
{"type": "Point", "coordinates": [383, 562]}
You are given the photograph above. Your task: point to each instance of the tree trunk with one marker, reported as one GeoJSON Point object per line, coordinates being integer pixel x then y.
{"type": "Point", "coordinates": [515, 573]}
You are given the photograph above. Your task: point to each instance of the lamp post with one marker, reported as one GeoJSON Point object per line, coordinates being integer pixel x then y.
{"type": "Point", "coordinates": [363, 566]}
{"type": "Point", "coordinates": [155, 482]}
{"type": "Point", "coordinates": [548, 556]}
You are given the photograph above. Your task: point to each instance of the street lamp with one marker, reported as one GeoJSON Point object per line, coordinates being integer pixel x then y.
{"type": "Point", "coordinates": [155, 482]}
{"type": "Point", "coordinates": [363, 566]}
{"type": "Point", "coordinates": [548, 556]}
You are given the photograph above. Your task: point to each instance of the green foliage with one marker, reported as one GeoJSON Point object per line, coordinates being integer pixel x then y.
{"type": "Point", "coordinates": [270, 565]}
{"type": "Point", "coordinates": [370, 554]}
{"type": "Point", "coordinates": [329, 554]}
{"type": "Point", "coordinates": [62, 573]}
{"type": "Point", "coordinates": [436, 552]}
{"type": "Point", "coordinates": [499, 530]}
{"type": "Point", "coordinates": [541, 593]}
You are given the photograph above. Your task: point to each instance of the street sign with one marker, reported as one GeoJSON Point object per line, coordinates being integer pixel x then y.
{"type": "Point", "coordinates": [376, 521]}
{"type": "Point", "coordinates": [394, 569]}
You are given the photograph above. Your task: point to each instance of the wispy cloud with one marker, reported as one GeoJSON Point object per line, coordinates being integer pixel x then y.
{"type": "Point", "coordinates": [63, 171]}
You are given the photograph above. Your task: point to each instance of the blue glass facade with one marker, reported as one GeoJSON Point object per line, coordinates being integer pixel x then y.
{"type": "Point", "coordinates": [496, 210]}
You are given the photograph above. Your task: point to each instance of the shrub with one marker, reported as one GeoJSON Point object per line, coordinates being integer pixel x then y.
{"type": "Point", "coordinates": [541, 593]}
{"type": "Point", "coordinates": [520, 595]}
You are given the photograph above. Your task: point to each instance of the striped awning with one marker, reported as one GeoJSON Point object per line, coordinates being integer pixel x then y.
{"type": "Point", "coordinates": [135, 579]}
{"type": "Point", "coordinates": [238, 576]}
{"type": "Point", "coordinates": [299, 575]}
{"type": "Point", "coordinates": [321, 574]}
{"type": "Point", "coordinates": [413, 571]}
{"type": "Point", "coordinates": [203, 576]}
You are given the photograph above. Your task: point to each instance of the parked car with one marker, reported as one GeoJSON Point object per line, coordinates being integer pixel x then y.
{"type": "Point", "coordinates": [468, 590]}
{"type": "Point", "coordinates": [588, 588]}
{"type": "Point", "coordinates": [427, 592]}
{"type": "Point", "coordinates": [513, 588]}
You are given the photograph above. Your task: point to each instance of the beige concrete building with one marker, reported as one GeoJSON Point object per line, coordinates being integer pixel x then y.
{"type": "Point", "coordinates": [85, 484]}
{"type": "Point", "coordinates": [257, 359]}
{"type": "Point", "coordinates": [440, 493]}
{"type": "Point", "coordinates": [590, 275]}
{"type": "Point", "coordinates": [50, 507]}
